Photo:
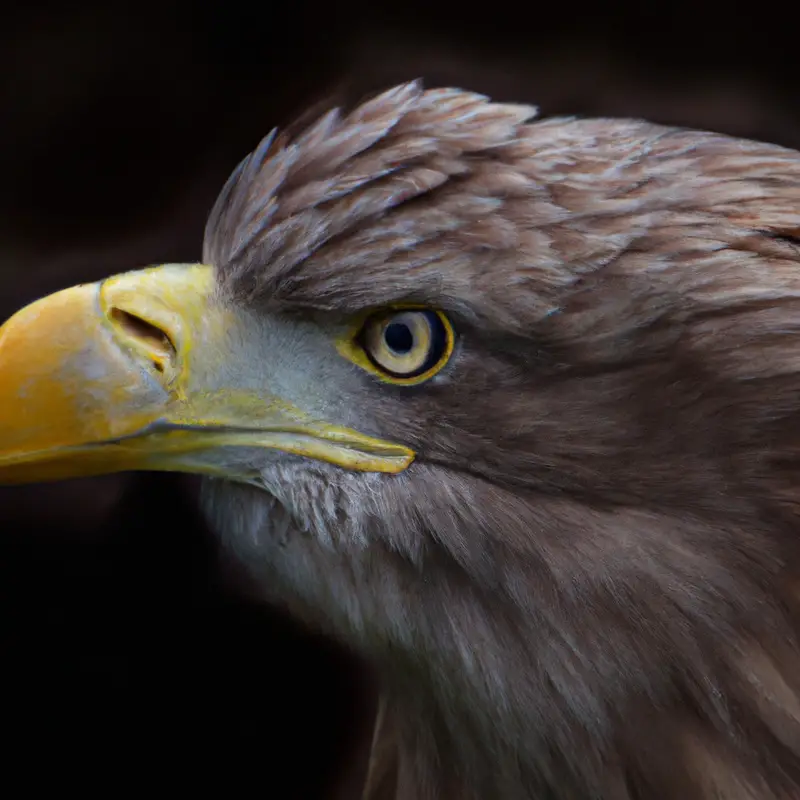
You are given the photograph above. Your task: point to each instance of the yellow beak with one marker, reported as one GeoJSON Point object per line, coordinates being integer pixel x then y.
{"type": "Point", "coordinates": [136, 373]}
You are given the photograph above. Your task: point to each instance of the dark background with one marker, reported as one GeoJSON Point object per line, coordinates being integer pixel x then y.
{"type": "Point", "coordinates": [130, 655]}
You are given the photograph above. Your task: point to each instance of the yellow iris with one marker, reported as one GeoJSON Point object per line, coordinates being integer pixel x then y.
{"type": "Point", "coordinates": [402, 346]}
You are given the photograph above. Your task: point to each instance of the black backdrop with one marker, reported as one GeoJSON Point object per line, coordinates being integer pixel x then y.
{"type": "Point", "coordinates": [130, 655]}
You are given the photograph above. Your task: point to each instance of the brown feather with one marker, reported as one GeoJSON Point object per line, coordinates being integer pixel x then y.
{"type": "Point", "coordinates": [587, 585]}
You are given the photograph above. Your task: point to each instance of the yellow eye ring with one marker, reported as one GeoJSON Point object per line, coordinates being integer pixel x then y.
{"type": "Point", "coordinates": [402, 346]}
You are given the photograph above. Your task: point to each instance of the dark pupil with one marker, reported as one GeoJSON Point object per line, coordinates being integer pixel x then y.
{"type": "Point", "coordinates": [398, 337]}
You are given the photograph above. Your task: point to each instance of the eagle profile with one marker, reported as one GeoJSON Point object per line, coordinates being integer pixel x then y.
{"type": "Point", "coordinates": [510, 406]}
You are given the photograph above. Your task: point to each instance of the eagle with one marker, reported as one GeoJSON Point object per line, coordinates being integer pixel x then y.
{"type": "Point", "coordinates": [510, 405]}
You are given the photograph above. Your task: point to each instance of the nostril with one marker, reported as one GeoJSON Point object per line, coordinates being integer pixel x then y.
{"type": "Point", "coordinates": [155, 339]}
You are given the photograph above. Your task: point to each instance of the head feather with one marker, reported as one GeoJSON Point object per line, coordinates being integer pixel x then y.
{"type": "Point", "coordinates": [444, 196]}
{"type": "Point", "coordinates": [347, 183]}
{"type": "Point", "coordinates": [605, 513]}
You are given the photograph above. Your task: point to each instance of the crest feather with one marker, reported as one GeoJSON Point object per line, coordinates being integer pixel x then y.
{"type": "Point", "coordinates": [294, 193]}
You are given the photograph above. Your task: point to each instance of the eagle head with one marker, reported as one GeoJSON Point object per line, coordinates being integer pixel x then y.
{"type": "Point", "coordinates": [510, 406]}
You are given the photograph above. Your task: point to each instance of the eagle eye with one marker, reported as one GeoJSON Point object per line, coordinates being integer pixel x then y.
{"type": "Point", "coordinates": [406, 346]}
